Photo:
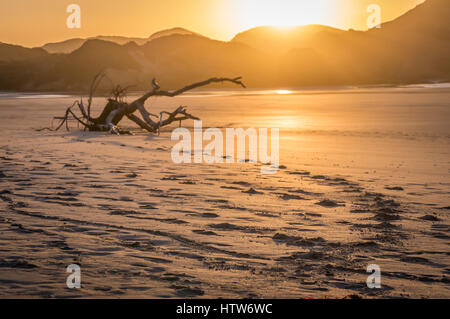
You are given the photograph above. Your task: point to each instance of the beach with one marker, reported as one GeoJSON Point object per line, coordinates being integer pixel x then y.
{"type": "Point", "coordinates": [363, 180]}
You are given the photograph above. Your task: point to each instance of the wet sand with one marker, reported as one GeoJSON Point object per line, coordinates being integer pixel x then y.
{"type": "Point", "coordinates": [364, 179]}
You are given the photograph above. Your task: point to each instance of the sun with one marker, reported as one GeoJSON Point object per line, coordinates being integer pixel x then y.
{"type": "Point", "coordinates": [284, 13]}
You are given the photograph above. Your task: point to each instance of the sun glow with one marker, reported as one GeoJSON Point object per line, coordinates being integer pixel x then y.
{"type": "Point", "coordinates": [284, 92]}
{"type": "Point", "coordinates": [285, 13]}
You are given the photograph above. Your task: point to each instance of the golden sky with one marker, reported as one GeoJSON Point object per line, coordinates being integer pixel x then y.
{"type": "Point", "coordinates": [36, 22]}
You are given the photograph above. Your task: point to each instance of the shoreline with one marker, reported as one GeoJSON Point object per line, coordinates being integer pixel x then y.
{"type": "Point", "coordinates": [333, 89]}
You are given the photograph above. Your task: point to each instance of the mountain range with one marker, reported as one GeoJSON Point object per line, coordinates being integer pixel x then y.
{"type": "Point", "coordinates": [71, 45]}
{"type": "Point", "coordinates": [413, 48]}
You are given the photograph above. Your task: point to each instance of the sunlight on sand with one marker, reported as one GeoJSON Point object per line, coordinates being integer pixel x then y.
{"type": "Point", "coordinates": [284, 122]}
{"type": "Point", "coordinates": [283, 92]}
{"type": "Point", "coordinates": [287, 122]}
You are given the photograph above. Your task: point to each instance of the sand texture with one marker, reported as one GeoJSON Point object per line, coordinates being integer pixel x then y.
{"type": "Point", "coordinates": [364, 179]}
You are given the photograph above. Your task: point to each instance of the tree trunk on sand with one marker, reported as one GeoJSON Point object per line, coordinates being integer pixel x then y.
{"type": "Point", "coordinates": [115, 110]}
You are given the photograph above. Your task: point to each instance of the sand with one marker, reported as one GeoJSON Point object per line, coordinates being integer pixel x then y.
{"type": "Point", "coordinates": [364, 180]}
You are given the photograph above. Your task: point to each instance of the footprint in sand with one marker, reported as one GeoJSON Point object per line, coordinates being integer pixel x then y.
{"type": "Point", "coordinates": [252, 191]}
{"type": "Point", "coordinates": [289, 197]}
{"type": "Point", "coordinates": [204, 232]}
{"type": "Point", "coordinates": [329, 203]}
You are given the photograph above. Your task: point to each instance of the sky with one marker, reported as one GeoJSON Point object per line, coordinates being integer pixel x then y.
{"type": "Point", "coordinates": [36, 22]}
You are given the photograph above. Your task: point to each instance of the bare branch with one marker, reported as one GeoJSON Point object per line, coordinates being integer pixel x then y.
{"type": "Point", "coordinates": [200, 84]}
{"type": "Point", "coordinates": [95, 83]}
{"type": "Point", "coordinates": [141, 123]}
{"type": "Point", "coordinates": [156, 92]}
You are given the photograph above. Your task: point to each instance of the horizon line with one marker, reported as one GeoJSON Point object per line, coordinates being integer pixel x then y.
{"type": "Point", "coordinates": [194, 32]}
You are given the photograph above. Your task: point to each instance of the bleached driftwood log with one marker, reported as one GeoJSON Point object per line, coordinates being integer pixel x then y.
{"type": "Point", "coordinates": [116, 109]}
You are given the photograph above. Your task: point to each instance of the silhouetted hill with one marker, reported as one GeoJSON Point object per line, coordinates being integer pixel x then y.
{"type": "Point", "coordinates": [71, 45]}
{"type": "Point", "coordinates": [418, 43]}
{"type": "Point", "coordinates": [281, 39]}
{"type": "Point", "coordinates": [174, 60]}
{"type": "Point", "coordinates": [165, 33]}
{"type": "Point", "coordinates": [179, 59]}
{"type": "Point", "coordinates": [66, 46]}
{"type": "Point", "coordinates": [428, 17]}
{"type": "Point", "coordinates": [9, 52]}
{"type": "Point", "coordinates": [411, 49]}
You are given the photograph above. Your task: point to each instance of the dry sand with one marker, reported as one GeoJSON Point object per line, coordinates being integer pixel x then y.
{"type": "Point", "coordinates": [365, 180]}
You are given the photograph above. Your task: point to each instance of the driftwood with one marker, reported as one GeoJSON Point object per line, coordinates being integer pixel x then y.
{"type": "Point", "coordinates": [116, 109]}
